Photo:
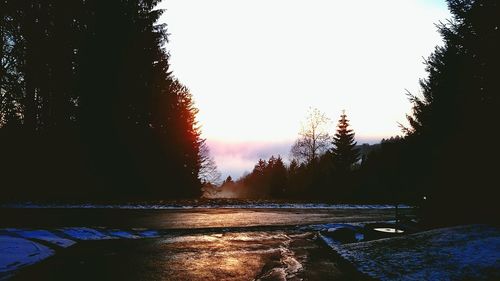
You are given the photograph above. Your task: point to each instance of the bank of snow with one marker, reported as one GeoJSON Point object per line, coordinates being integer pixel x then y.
{"type": "Point", "coordinates": [18, 252]}
{"type": "Point", "coordinates": [17, 248]}
{"type": "Point", "coordinates": [469, 252]}
{"type": "Point", "coordinates": [42, 234]}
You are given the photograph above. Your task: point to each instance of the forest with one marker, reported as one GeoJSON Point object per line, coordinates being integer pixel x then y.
{"type": "Point", "coordinates": [89, 111]}
{"type": "Point", "coordinates": [88, 107]}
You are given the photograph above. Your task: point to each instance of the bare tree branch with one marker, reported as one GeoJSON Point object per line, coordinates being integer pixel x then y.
{"type": "Point", "coordinates": [314, 139]}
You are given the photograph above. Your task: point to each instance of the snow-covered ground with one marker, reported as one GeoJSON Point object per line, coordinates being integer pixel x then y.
{"type": "Point", "coordinates": [250, 205]}
{"type": "Point", "coordinates": [20, 247]}
{"type": "Point", "coordinates": [43, 235]}
{"type": "Point", "coordinates": [85, 233]}
{"type": "Point", "coordinates": [469, 252]}
{"type": "Point", "coordinates": [18, 252]}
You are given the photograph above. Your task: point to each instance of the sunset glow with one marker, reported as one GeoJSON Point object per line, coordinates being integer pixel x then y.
{"type": "Point", "coordinates": [256, 67]}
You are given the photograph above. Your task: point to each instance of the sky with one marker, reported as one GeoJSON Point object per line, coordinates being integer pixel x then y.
{"type": "Point", "coordinates": [255, 67]}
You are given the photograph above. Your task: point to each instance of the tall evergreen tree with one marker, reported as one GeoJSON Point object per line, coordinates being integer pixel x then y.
{"type": "Point", "coordinates": [450, 161]}
{"type": "Point", "coordinates": [86, 86]}
{"type": "Point", "coordinates": [277, 177]}
{"type": "Point", "coordinates": [344, 153]}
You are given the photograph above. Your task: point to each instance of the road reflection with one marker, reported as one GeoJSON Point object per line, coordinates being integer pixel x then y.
{"type": "Point", "coordinates": [239, 256]}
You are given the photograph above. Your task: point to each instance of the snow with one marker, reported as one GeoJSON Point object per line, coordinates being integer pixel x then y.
{"type": "Point", "coordinates": [359, 236]}
{"type": "Point", "coordinates": [204, 206]}
{"type": "Point", "coordinates": [388, 230]}
{"type": "Point", "coordinates": [470, 252]}
{"type": "Point", "coordinates": [18, 252]}
{"type": "Point", "coordinates": [122, 234]}
{"type": "Point", "coordinates": [84, 233]}
{"type": "Point", "coordinates": [331, 226]}
{"type": "Point", "coordinates": [43, 235]}
{"type": "Point", "coordinates": [148, 234]}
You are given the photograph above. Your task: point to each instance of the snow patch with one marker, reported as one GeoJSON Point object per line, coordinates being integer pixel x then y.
{"type": "Point", "coordinates": [470, 252]}
{"type": "Point", "coordinates": [331, 226]}
{"type": "Point", "coordinates": [122, 234]}
{"type": "Point", "coordinates": [43, 235]}
{"type": "Point", "coordinates": [388, 230]}
{"type": "Point", "coordinates": [148, 234]}
{"type": "Point", "coordinates": [84, 233]}
{"type": "Point", "coordinates": [18, 252]}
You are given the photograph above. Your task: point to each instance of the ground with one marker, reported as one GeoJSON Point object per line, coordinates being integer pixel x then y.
{"type": "Point", "coordinates": [234, 244]}
{"type": "Point", "coordinates": [275, 247]}
{"type": "Point", "coordinates": [231, 256]}
{"type": "Point", "coordinates": [470, 252]}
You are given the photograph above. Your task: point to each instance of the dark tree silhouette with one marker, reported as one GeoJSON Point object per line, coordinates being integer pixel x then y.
{"type": "Point", "coordinates": [88, 107]}
{"type": "Point", "coordinates": [278, 180]}
{"type": "Point", "coordinates": [452, 166]}
{"type": "Point", "coordinates": [209, 173]}
{"type": "Point", "coordinates": [344, 151]}
{"type": "Point", "coordinates": [228, 181]}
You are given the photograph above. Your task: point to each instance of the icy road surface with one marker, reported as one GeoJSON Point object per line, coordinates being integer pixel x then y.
{"type": "Point", "coordinates": [270, 255]}
{"type": "Point", "coordinates": [184, 219]}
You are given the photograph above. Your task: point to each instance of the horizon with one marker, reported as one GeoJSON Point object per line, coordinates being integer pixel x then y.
{"type": "Point", "coordinates": [362, 63]}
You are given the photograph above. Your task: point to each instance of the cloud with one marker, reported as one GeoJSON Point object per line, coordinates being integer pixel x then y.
{"type": "Point", "coordinates": [235, 158]}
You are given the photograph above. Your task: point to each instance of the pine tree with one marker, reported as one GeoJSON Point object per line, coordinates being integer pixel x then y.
{"type": "Point", "coordinates": [86, 87]}
{"type": "Point", "coordinates": [344, 152]}
{"type": "Point", "coordinates": [277, 177]}
{"type": "Point", "coordinates": [459, 102]}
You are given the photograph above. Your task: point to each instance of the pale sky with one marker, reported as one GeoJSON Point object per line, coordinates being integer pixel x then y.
{"type": "Point", "coordinates": [255, 67]}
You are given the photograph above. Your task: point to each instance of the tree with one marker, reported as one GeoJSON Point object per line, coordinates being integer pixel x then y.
{"type": "Point", "coordinates": [228, 181]}
{"type": "Point", "coordinates": [89, 107]}
{"type": "Point", "coordinates": [344, 153]}
{"type": "Point", "coordinates": [277, 177]}
{"type": "Point", "coordinates": [449, 160]}
{"type": "Point", "coordinates": [313, 140]}
{"type": "Point", "coordinates": [268, 179]}
{"type": "Point", "coordinates": [209, 174]}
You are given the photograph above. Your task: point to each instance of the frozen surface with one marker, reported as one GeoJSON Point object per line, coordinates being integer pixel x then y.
{"type": "Point", "coordinates": [18, 252]}
{"type": "Point", "coordinates": [84, 233]}
{"type": "Point", "coordinates": [44, 235]}
{"type": "Point", "coordinates": [331, 226]}
{"type": "Point", "coordinates": [388, 230]}
{"type": "Point", "coordinates": [238, 256]}
{"type": "Point", "coordinates": [221, 256]}
{"type": "Point", "coordinates": [469, 252]}
{"type": "Point", "coordinates": [122, 234]}
{"type": "Point", "coordinates": [148, 233]}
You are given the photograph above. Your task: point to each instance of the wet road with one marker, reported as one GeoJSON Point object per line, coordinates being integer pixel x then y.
{"type": "Point", "coordinates": [184, 219]}
{"type": "Point", "coordinates": [221, 256]}
{"type": "Point", "coordinates": [195, 244]}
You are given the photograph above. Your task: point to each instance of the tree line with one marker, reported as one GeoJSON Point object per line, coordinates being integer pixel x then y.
{"type": "Point", "coordinates": [321, 166]}
{"type": "Point", "coordinates": [89, 109]}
